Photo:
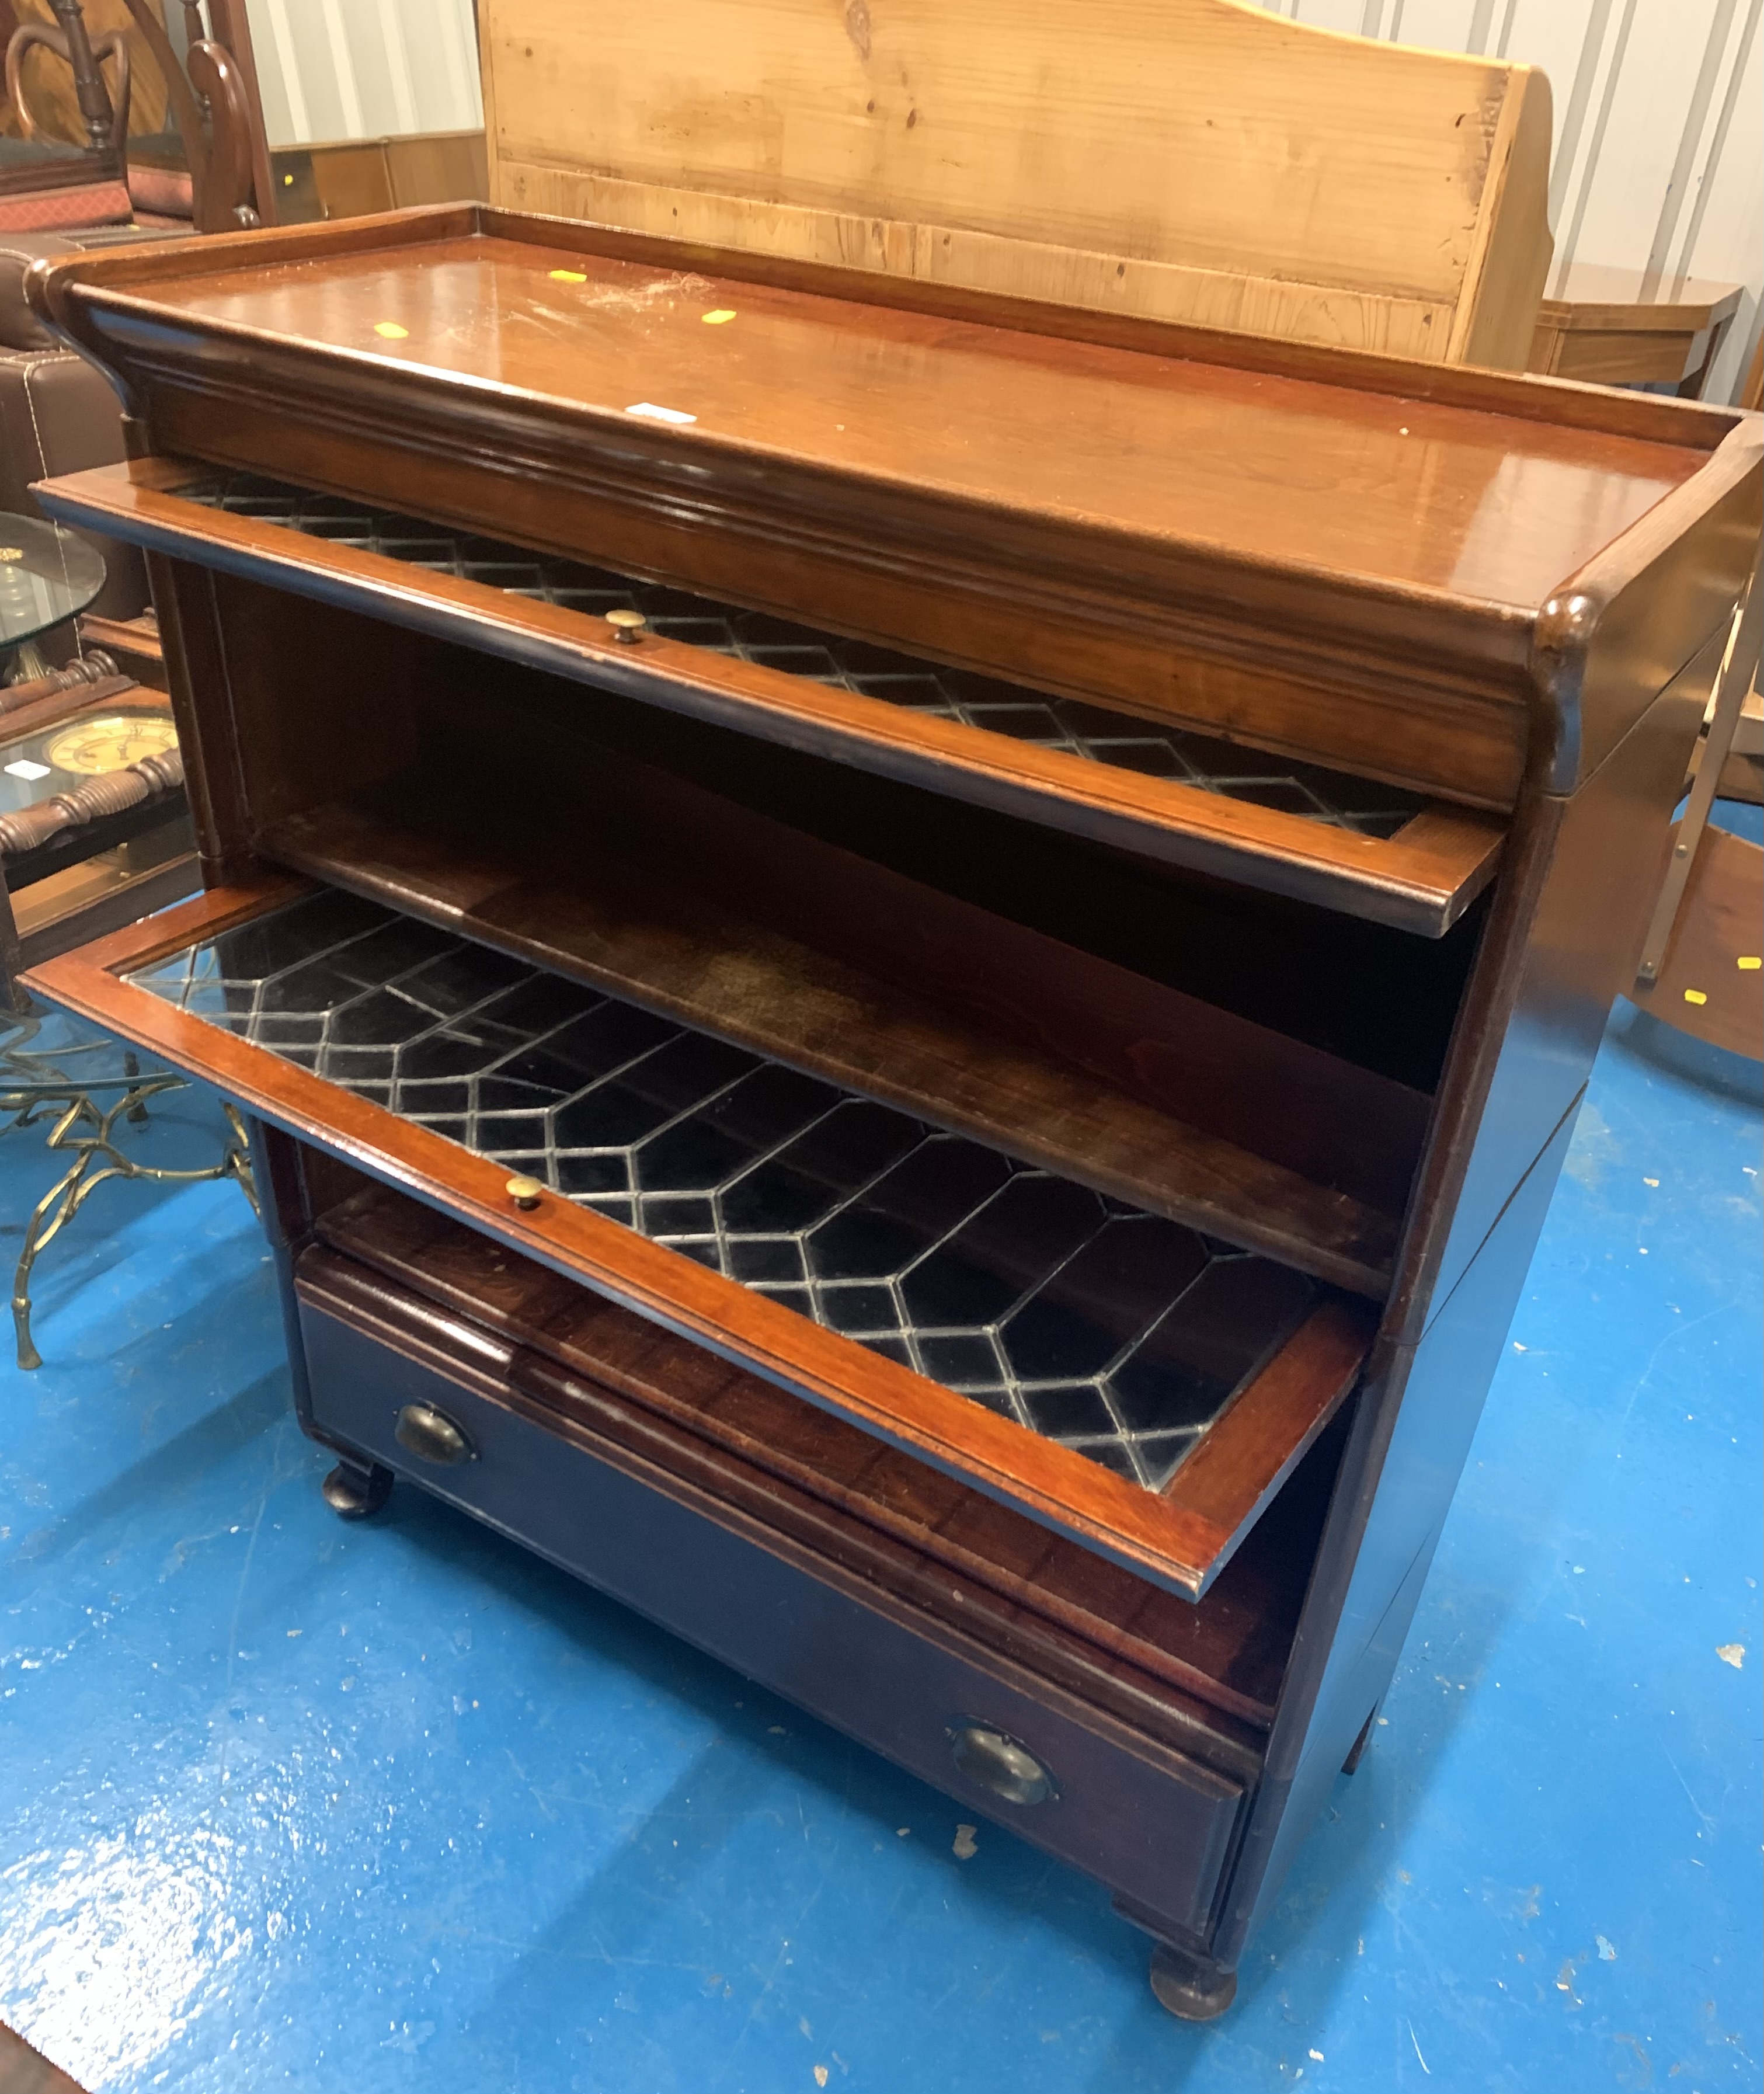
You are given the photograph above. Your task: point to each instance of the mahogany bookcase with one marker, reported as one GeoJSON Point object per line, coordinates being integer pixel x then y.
{"type": "Point", "coordinates": [911, 968]}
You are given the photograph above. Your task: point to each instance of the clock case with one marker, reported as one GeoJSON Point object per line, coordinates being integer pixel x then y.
{"type": "Point", "coordinates": [1353, 1053]}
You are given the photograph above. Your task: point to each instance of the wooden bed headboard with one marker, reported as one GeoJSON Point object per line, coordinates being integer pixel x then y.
{"type": "Point", "coordinates": [1195, 160]}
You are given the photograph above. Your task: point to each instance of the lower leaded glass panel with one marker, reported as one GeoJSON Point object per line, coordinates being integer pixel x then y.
{"type": "Point", "coordinates": [1116, 1333]}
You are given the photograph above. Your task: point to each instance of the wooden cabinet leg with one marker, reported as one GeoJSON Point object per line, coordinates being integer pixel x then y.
{"type": "Point", "coordinates": [354, 1490]}
{"type": "Point", "coordinates": [1193, 1987]}
{"type": "Point", "coordinates": [1357, 1750]}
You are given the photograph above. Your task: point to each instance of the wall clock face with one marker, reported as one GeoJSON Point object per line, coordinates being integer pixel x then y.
{"type": "Point", "coordinates": [111, 743]}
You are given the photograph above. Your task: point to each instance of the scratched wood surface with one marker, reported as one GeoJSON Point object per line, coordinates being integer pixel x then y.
{"type": "Point", "coordinates": [1199, 161]}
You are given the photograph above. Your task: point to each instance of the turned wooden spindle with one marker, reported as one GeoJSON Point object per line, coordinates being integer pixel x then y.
{"type": "Point", "coordinates": [104, 117]}
{"type": "Point", "coordinates": [153, 778]}
{"type": "Point", "coordinates": [95, 110]}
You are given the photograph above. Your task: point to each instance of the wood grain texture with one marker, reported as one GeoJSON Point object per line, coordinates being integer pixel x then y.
{"type": "Point", "coordinates": [1412, 1432]}
{"type": "Point", "coordinates": [841, 1619]}
{"type": "Point", "coordinates": [1297, 969]}
{"type": "Point", "coordinates": [1422, 879]}
{"type": "Point", "coordinates": [189, 635]}
{"type": "Point", "coordinates": [1703, 986]}
{"type": "Point", "coordinates": [24, 2071]}
{"type": "Point", "coordinates": [49, 84]}
{"type": "Point", "coordinates": [133, 644]}
{"type": "Point", "coordinates": [1511, 250]}
{"type": "Point", "coordinates": [1202, 162]}
{"type": "Point", "coordinates": [1583, 874]}
{"type": "Point", "coordinates": [27, 708]}
{"type": "Point", "coordinates": [668, 859]}
{"type": "Point", "coordinates": [1604, 298]}
{"type": "Point", "coordinates": [614, 921]}
{"type": "Point", "coordinates": [1612, 327]}
{"type": "Point", "coordinates": [885, 396]}
{"type": "Point", "coordinates": [1164, 1540]}
{"type": "Point", "coordinates": [1512, 605]}
{"type": "Point", "coordinates": [1645, 611]}
{"type": "Point", "coordinates": [1381, 603]}
{"type": "Point", "coordinates": [1226, 1649]}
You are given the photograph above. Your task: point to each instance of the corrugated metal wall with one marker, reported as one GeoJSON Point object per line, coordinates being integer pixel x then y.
{"type": "Point", "coordinates": [365, 68]}
{"type": "Point", "coordinates": [1659, 108]}
{"type": "Point", "coordinates": [1659, 127]}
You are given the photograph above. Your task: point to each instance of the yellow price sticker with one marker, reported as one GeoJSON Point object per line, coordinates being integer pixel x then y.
{"type": "Point", "coordinates": [391, 330]}
{"type": "Point", "coordinates": [1749, 962]}
{"type": "Point", "coordinates": [1694, 996]}
{"type": "Point", "coordinates": [716, 319]}
{"type": "Point", "coordinates": [569, 276]}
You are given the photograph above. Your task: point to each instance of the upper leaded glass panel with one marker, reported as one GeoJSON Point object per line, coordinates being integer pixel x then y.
{"type": "Point", "coordinates": [1097, 735]}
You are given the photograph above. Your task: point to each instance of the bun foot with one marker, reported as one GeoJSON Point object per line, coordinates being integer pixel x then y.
{"type": "Point", "coordinates": [352, 1492]}
{"type": "Point", "coordinates": [1189, 1986]}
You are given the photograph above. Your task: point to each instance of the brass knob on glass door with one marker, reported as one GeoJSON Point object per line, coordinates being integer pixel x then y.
{"type": "Point", "coordinates": [526, 1192]}
{"type": "Point", "coordinates": [628, 625]}
{"type": "Point", "coordinates": [431, 1436]}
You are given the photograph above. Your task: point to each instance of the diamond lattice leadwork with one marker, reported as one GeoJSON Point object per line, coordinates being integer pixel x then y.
{"type": "Point", "coordinates": [1090, 732]}
{"type": "Point", "coordinates": [1115, 1332]}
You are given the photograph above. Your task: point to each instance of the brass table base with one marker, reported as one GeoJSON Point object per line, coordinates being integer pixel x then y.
{"type": "Point", "coordinates": [34, 1086]}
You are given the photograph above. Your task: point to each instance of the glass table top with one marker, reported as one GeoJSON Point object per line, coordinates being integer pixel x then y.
{"type": "Point", "coordinates": [1121, 1335]}
{"type": "Point", "coordinates": [47, 576]}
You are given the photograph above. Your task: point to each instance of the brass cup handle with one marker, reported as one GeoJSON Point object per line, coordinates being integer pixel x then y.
{"type": "Point", "coordinates": [431, 1436]}
{"type": "Point", "coordinates": [1010, 1770]}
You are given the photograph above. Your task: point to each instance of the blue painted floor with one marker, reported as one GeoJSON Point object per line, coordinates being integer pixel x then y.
{"type": "Point", "coordinates": [284, 1803]}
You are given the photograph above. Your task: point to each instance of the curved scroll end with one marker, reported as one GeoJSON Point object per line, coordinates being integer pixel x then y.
{"type": "Point", "coordinates": [27, 37]}
{"type": "Point", "coordinates": [111, 45]}
{"type": "Point", "coordinates": [215, 74]}
{"type": "Point", "coordinates": [1560, 641]}
{"type": "Point", "coordinates": [45, 282]}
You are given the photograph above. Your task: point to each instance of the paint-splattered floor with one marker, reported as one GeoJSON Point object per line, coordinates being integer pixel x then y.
{"type": "Point", "coordinates": [284, 1803]}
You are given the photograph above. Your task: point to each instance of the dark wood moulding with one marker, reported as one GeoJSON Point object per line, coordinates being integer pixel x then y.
{"type": "Point", "coordinates": [1420, 880]}
{"type": "Point", "coordinates": [1152, 1019]}
{"type": "Point", "coordinates": [1225, 1649]}
{"type": "Point", "coordinates": [1179, 1537]}
{"type": "Point", "coordinates": [855, 453]}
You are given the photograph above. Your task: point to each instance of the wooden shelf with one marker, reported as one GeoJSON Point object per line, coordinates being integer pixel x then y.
{"type": "Point", "coordinates": [621, 916]}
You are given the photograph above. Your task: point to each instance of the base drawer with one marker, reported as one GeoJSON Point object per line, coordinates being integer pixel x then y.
{"type": "Point", "coordinates": [510, 1439]}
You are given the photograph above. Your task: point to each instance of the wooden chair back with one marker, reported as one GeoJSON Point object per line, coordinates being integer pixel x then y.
{"type": "Point", "coordinates": [214, 103]}
{"type": "Point", "coordinates": [99, 111]}
{"type": "Point", "coordinates": [1200, 160]}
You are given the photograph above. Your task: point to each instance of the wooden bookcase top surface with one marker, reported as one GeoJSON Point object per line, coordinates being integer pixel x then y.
{"type": "Point", "coordinates": [1377, 564]}
{"type": "Point", "coordinates": [1305, 471]}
